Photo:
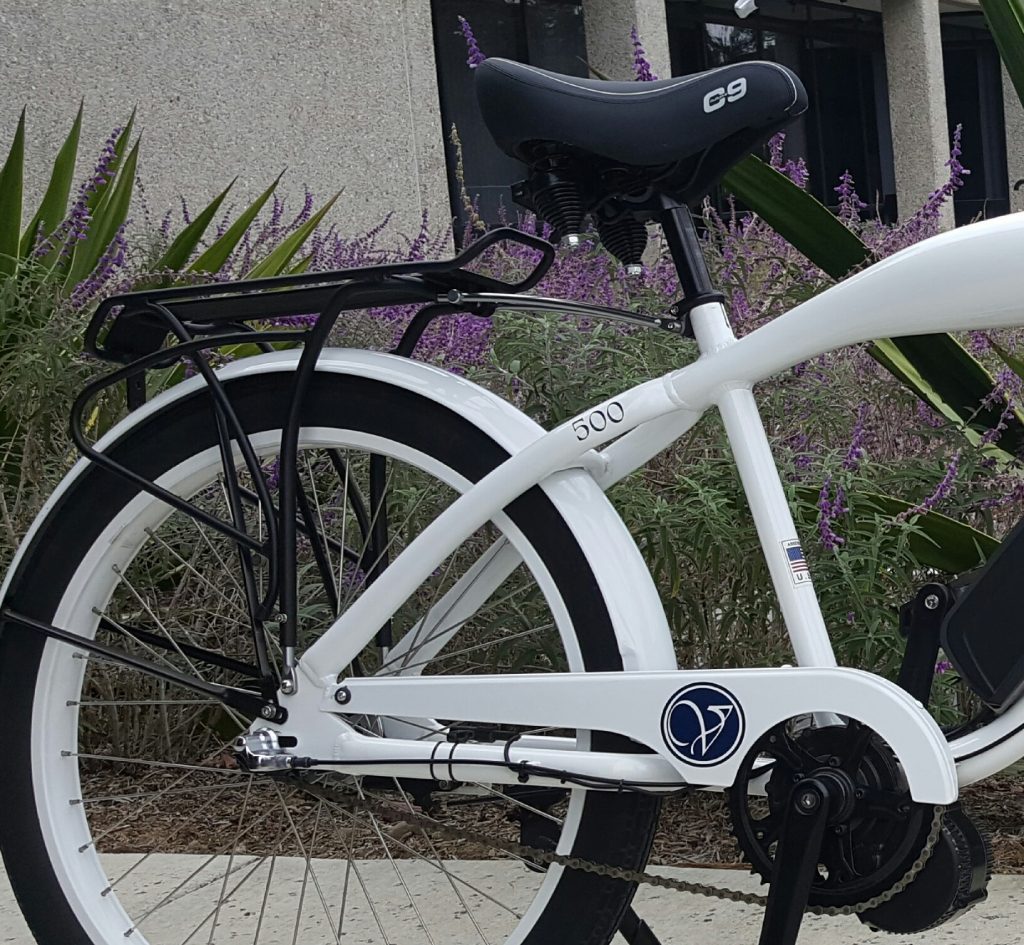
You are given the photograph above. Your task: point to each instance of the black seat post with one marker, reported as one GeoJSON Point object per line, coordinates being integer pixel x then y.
{"type": "Point", "coordinates": [694, 278]}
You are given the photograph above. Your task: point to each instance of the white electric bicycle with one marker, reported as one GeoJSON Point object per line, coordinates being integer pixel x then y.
{"type": "Point", "coordinates": [329, 645]}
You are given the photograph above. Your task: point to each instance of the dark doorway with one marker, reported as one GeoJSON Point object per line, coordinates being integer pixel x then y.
{"type": "Point", "coordinates": [545, 33]}
{"type": "Point", "coordinates": [837, 51]}
{"type": "Point", "coordinates": [974, 99]}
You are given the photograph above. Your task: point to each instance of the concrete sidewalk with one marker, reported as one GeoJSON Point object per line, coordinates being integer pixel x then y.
{"type": "Point", "coordinates": [677, 919]}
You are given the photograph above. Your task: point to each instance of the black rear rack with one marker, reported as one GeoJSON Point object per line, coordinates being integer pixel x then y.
{"type": "Point", "coordinates": [160, 328]}
{"type": "Point", "coordinates": [139, 323]}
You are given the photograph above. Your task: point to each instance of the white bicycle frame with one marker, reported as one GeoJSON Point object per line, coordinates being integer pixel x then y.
{"type": "Point", "coordinates": [965, 279]}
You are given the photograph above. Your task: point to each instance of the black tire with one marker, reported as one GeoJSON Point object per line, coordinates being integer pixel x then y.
{"type": "Point", "coordinates": [614, 828]}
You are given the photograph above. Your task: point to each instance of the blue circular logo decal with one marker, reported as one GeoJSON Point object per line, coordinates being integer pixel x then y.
{"type": "Point", "coordinates": [703, 724]}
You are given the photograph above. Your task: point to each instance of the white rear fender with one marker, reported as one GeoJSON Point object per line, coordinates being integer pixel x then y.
{"type": "Point", "coordinates": [966, 279]}
{"type": "Point", "coordinates": [636, 611]}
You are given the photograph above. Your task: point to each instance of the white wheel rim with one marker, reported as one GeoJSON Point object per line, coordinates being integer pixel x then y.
{"type": "Point", "coordinates": [64, 825]}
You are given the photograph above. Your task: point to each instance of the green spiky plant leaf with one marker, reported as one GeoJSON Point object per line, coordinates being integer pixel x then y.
{"type": "Point", "coordinates": [187, 240]}
{"type": "Point", "coordinates": [301, 266]}
{"type": "Point", "coordinates": [217, 255]}
{"type": "Point", "coordinates": [801, 220]}
{"type": "Point", "coordinates": [937, 541]}
{"type": "Point", "coordinates": [954, 397]}
{"type": "Point", "coordinates": [936, 368]}
{"type": "Point", "coordinates": [1005, 20]}
{"type": "Point", "coordinates": [277, 261]}
{"type": "Point", "coordinates": [54, 205]}
{"type": "Point", "coordinates": [12, 180]}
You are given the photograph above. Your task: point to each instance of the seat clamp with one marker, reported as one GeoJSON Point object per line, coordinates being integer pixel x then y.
{"type": "Point", "coordinates": [678, 320]}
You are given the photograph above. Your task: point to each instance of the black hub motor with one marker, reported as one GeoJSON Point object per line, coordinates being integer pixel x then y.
{"type": "Point", "coordinates": [953, 881]}
{"type": "Point", "coordinates": [874, 833]}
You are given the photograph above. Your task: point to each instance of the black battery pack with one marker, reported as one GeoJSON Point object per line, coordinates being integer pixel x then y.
{"type": "Point", "coordinates": [983, 634]}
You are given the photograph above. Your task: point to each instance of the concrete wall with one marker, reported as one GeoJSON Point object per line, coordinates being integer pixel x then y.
{"type": "Point", "coordinates": [344, 94]}
{"type": "Point", "coordinates": [1013, 112]}
{"type": "Point", "coordinates": [608, 23]}
{"type": "Point", "coordinates": [917, 101]}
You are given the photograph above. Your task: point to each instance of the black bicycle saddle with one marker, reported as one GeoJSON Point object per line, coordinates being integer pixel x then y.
{"type": "Point", "coordinates": [641, 124]}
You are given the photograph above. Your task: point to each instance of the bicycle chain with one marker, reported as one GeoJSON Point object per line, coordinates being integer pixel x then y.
{"type": "Point", "coordinates": [547, 858]}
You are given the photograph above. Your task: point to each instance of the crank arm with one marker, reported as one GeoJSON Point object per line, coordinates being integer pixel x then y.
{"type": "Point", "coordinates": [635, 931]}
{"type": "Point", "coordinates": [796, 862]}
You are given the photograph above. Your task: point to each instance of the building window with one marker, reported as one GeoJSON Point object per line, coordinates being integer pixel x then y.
{"type": "Point", "coordinates": [837, 51]}
{"type": "Point", "coordinates": [974, 99]}
{"type": "Point", "coordinates": [545, 33]}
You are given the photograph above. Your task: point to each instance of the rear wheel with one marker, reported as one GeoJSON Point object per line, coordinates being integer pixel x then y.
{"type": "Point", "coordinates": [126, 818]}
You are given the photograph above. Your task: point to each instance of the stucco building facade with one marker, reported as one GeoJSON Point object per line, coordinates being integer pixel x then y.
{"type": "Point", "coordinates": [361, 97]}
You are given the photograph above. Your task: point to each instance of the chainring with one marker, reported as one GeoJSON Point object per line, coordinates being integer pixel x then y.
{"type": "Point", "coordinates": [868, 845]}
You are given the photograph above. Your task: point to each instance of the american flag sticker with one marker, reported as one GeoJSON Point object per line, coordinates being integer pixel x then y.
{"type": "Point", "coordinates": [798, 569]}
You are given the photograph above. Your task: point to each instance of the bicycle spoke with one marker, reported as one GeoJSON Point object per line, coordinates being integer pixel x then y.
{"type": "Point", "coordinates": [231, 860]}
{"type": "Point", "coordinates": [302, 849]}
{"type": "Point", "coordinates": [491, 559]}
{"type": "Point", "coordinates": [394, 866]}
{"type": "Point", "coordinates": [516, 802]}
{"type": "Point", "coordinates": [224, 569]}
{"type": "Point", "coordinates": [401, 845]}
{"type": "Point", "coordinates": [396, 532]}
{"type": "Point", "coordinates": [266, 894]}
{"type": "Point", "coordinates": [437, 859]}
{"type": "Point", "coordinates": [192, 569]}
{"type": "Point", "coordinates": [135, 797]}
{"type": "Point", "coordinates": [172, 896]}
{"type": "Point", "coordinates": [160, 626]}
{"type": "Point", "coordinates": [508, 638]}
{"type": "Point", "coordinates": [136, 811]}
{"type": "Point", "coordinates": [270, 856]}
{"type": "Point", "coordinates": [142, 702]}
{"type": "Point", "coordinates": [213, 912]}
{"type": "Point", "coordinates": [344, 533]}
{"type": "Point", "coordinates": [365, 891]}
{"type": "Point", "coordinates": [148, 762]}
{"type": "Point", "coordinates": [438, 585]}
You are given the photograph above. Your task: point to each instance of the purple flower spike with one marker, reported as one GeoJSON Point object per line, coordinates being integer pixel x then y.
{"type": "Point", "coordinates": [924, 222]}
{"type": "Point", "coordinates": [642, 71]}
{"type": "Point", "coordinates": [1007, 391]}
{"type": "Point", "coordinates": [796, 170]}
{"type": "Point", "coordinates": [76, 225]}
{"type": "Point", "coordinates": [475, 55]}
{"type": "Point", "coordinates": [793, 168]}
{"type": "Point", "coordinates": [855, 451]}
{"type": "Point", "coordinates": [110, 263]}
{"type": "Point", "coordinates": [830, 510]}
{"type": "Point", "coordinates": [850, 204]}
{"type": "Point", "coordinates": [942, 491]}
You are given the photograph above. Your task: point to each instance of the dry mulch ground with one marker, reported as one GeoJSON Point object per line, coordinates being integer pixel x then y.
{"type": "Point", "coordinates": [694, 830]}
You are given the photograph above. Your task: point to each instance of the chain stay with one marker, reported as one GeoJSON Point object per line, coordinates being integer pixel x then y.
{"type": "Point", "coordinates": [547, 858]}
